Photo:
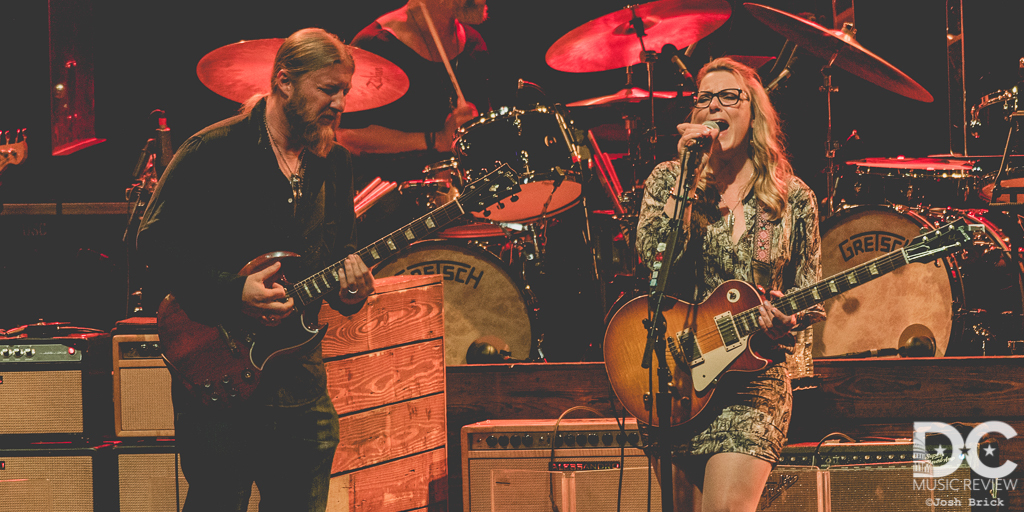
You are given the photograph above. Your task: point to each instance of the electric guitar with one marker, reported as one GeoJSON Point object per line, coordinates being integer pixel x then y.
{"type": "Point", "coordinates": [706, 340]}
{"type": "Point", "coordinates": [221, 364]}
{"type": "Point", "coordinates": [13, 153]}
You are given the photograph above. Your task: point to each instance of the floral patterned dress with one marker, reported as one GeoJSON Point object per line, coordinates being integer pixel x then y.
{"type": "Point", "coordinates": [750, 412]}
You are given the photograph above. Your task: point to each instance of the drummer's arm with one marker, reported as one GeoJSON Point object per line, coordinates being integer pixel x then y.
{"type": "Point", "coordinates": [379, 139]}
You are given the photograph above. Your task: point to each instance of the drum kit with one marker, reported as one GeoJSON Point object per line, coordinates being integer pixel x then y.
{"type": "Point", "coordinates": [491, 262]}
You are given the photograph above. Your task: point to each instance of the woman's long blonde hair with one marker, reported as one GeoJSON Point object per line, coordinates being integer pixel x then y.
{"type": "Point", "coordinates": [767, 149]}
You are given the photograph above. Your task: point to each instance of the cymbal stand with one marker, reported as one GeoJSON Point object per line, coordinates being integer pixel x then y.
{"type": "Point", "coordinates": [831, 174]}
{"type": "Point", "coordinates": [648, 58]}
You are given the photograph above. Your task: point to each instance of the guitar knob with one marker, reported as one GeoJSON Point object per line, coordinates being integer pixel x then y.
{"type": "Point", "coordinates": [247, 375]}
{"type": "Point", "coordinates": [207, 384]}
{"type": "Point", "coordinates": [226, 380]}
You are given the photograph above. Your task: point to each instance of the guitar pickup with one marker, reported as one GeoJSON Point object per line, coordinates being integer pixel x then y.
{"type": "Point", "coordinates": [691, 351]}
{"type": "Point", "coordinates": [727, 331]}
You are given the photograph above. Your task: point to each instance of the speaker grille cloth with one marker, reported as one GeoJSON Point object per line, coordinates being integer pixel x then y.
{"type": "Point", "coordinates": [46, 484]}
{"type": "Point", "coordinates": [146, 482]}
{"type": "Point", "coordinates": [523, 485]}
{"type": "Point", "coordinates": [891, 488]}
{"type": "Point", "coordinates": [146, 399]}
{"type": "Point", "coordinates": [41, 402]}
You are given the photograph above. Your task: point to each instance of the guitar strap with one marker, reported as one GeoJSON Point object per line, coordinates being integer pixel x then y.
{"type": "Point", "coordinates": [761, 264]}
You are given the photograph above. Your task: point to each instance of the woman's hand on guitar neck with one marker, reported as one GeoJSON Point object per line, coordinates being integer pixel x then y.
{"type": "Point", "coordinates": [775, 323]}
{"type": "Point", "coordinates": [268, 304]}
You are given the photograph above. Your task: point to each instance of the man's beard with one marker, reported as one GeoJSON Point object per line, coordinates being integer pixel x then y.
{"type": "Point", "coordinates": [470, 13]}
{"type": "Point", "coordinates": [314, 136]}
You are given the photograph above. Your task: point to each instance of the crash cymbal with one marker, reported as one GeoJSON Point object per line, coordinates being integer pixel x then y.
{"type": "Point", "coordinates": [632, 95]}
{"type": "Point", "coordinates": [610, 42]}
{"type": "Point", "coordinates": [752, 61]}
{"type": "Point", "coordinates": [849, 55]}
{"type": "Point", "coordinates": [240, 70]}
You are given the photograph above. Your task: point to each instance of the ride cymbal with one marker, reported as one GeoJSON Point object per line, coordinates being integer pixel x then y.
{"type": "Point", "coordinates": [240, 70]}
{"type": "Point", "coordinates": [611, 41]}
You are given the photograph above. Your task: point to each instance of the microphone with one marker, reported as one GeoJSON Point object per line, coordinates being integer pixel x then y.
{"type": "Point", "coordinates": [918, 346]}
{"type": "Point", "coordinates": [673, 53]}
{"type": "Point", "coordinates": [165, 151]}
{"type": "Point", "coordinates": [702, 144]}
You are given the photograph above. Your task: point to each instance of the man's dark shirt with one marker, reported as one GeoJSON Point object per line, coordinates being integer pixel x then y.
{"type": "Point", "coordinates": [223, 201]}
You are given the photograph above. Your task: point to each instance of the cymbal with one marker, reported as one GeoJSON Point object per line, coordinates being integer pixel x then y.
{"type": "Point", "coordinates": [849, 55]}
{"type": "Point", "coordinates": [610, 42]}
{"type": "Point", "coordinates": [752, 61]}
{"type": "Point", "coordinates": [240, 70]}
{"type": "Point", "coordinates": [632, 95]}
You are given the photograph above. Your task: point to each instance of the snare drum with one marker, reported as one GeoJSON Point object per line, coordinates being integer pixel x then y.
{"type": "Point", "coordinates": [480, 297]}
{"type": "Point", "coordinates": [919, 299]}
{"type": "Point", "coordinates": [912, 182]}
{"type": "Point", "coordinates": [540, 144]}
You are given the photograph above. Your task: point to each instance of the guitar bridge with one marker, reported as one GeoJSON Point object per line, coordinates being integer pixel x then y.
{"type": "Point", "coordinates": [688, 343]}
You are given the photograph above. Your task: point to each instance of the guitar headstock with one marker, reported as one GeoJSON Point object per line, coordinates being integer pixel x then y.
{"type": "Point", "coordinates": [493, 187]}
{"type": "Point", "coordinates": [13, 148]}
{"type": "Point", "coordinates": [941, 242]}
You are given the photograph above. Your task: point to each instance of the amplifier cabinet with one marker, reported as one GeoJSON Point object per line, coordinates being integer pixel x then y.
{"type": "Point", "coordinates": [852, 477]}
{"type": "Point", "coordinates": [149, 479]}
{"type": "Point", "coordinates": [142, 388]}
{"type": "Point", "coordinates": [506, 465]}
{"type": "Point", "coordinates": [46, 479]}
{"type": "Point", "coordinates": [40, 389]}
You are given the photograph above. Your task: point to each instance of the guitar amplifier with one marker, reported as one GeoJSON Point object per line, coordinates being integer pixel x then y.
{"type": "Point", "coordinates": [851, 477]}
{"type": "Point", "coordinates": [45, 478]}
{"type": "Point", "coordinates": [508, 465]}
{"type": "Point", "coordinates": [142, 382]}
{"type": "Point", "coordinates": [149, 478]}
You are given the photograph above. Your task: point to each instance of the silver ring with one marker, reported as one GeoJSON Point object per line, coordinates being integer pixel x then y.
{"type": "Point", "coordinates": [353, 291]}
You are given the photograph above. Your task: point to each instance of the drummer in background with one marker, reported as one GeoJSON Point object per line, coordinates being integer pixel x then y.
{"type": "Point", "coordinates": [397, 141]}
{"type": "Point", "coordinates": [750, 219]}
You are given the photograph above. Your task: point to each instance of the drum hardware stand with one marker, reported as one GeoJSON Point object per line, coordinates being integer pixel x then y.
{"type": "Point", "coordinates": [1014, 204]}
{"type": "Point", "coordinates": [831, 174]}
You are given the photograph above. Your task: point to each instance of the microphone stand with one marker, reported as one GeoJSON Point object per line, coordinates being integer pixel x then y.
{"type": "Point", "coordinates": [656, 325]}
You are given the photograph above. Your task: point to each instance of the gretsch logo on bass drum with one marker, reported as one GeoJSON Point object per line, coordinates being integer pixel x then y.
{"type": "Point", "coordinates": [870, 241]}
{"type": "Point", "coordinates": [451, 270]}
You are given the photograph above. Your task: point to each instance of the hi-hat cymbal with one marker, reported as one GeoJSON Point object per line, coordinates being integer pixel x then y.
{"type": "Point", "coordinates": [848, 54]}
{"type": "Point", "coordinates": [240, 70]}
{"type": "Point", "coordinates": [610, 42]}
{"type": "Point", "coordinates": [632, 95]}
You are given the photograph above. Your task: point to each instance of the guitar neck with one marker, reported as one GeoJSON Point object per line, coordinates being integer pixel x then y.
{"type": "Point", "coordinates": [317, 286]}
{"type": "Point", "coordinates": [845, 281]}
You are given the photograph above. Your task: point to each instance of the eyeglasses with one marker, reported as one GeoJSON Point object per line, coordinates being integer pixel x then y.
{"type": "Point", "coordinates": [726, 98]}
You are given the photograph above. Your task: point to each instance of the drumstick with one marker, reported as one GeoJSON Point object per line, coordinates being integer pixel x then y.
{"type": "Point", "coordinates": [440, 50]}
{"type": "Point", "coordinates": [366, 190]}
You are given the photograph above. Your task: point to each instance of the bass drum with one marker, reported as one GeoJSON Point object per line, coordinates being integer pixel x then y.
{"type": "Point", "coordinates": [481, 299]}
{"type": "Point", "coordinates": [919, 299]}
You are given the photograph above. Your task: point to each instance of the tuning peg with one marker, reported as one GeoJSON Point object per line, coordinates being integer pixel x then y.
{"type": "Point", "coordinates": [501, 206]}
{"type": "Point", "coordinates": [514, 198]}
{"type": "Point", "coordinates": [487, 213]}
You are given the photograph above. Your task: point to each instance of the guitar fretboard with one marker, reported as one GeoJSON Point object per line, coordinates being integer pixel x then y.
{"type": "Point", "coordinates": [820, 292]}
{"type": "Point", "coordinates": [498, 184]}
{"type": "Point", "coordinates": [318, 285]}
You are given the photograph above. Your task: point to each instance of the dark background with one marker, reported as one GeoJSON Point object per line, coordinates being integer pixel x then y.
{"type": "Point", "coordinates": [144, 57]}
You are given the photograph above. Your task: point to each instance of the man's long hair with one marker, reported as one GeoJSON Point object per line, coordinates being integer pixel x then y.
{"type": "Point", "coordinates": [304, 51]}
{"type": "Point", "coordinates": [767, 143]}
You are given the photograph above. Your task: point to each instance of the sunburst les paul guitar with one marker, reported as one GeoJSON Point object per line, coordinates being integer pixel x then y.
{"type": "Point", "coordinates": [705, 341]}
{"type": "Point", "coordinates": [221, 363]}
